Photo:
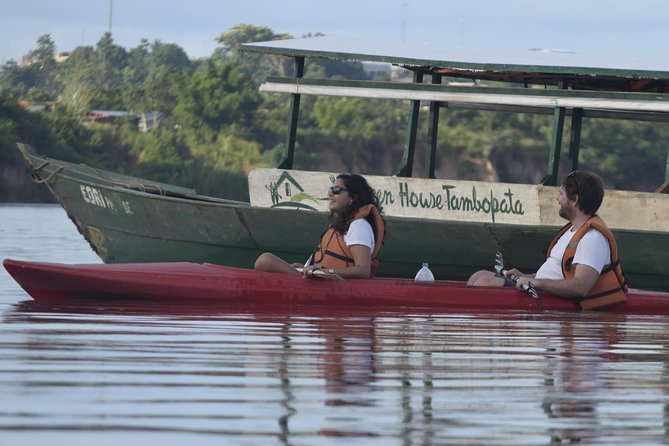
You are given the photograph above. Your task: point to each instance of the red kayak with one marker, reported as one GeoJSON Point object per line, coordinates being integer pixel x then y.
{"type": "Point", "coordinates": [206, 284]}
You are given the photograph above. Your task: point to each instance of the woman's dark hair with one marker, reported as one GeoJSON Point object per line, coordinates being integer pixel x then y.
{"type": "Point", "coordinates": [362, 194]}
{"type": "Point", "coordinates": [588, 187]}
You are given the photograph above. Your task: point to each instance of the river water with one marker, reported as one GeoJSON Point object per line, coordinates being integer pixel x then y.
{"type": "Point", "coordinates": [290, 376]}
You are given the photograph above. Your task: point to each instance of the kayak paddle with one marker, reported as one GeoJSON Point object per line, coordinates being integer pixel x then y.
{"type": "Point", "coordinates": [501, 272]}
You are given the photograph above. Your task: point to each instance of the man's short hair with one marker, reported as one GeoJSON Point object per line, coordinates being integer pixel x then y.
{"type": "Point", "coordinates": [588, 187]}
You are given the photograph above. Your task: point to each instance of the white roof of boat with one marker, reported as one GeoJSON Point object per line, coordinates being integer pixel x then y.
{"type": "Point", "coordinates": [453, 61]}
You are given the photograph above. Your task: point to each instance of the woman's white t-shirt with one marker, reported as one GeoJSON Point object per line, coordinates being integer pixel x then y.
{"type": "Point", "coordinates": [360, 232]}
{"type": "Point", "coordinates": [593, 250]}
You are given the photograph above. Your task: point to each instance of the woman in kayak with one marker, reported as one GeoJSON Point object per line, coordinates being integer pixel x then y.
{"type": "Point", "coordinates": [349, 246]}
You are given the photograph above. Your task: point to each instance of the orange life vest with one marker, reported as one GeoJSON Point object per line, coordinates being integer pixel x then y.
{"type": "Point", "coordinates": [332, 251]}
{"type": "Point", "coordinates": [611, 285]}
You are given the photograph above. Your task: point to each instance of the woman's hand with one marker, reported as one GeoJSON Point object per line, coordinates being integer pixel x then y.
{"type": "Point", "coordinates": [308, 271]}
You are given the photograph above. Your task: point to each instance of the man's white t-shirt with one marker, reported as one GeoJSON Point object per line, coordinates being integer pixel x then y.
{"type": "Point", "coordinates": [360, 232]}
{"type": "Point", "coordinates": [593, 250]}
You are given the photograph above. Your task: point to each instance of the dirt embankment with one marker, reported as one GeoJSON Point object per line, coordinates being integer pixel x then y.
{"type": "Point", "coordinates": [16, 186]}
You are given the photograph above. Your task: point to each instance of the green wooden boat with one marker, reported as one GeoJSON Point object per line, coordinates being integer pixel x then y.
{"type": "Point", "coordinates": [456, 226]}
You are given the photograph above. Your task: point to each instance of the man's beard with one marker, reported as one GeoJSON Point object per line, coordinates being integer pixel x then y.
{"type": "Point", "coordinates": [565, 213]}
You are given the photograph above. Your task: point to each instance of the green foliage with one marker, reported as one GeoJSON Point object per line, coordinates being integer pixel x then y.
{"type": "Point", "coordinates": [216, 96]}
{"type": "Point", "coordinates": [164, 155]}
{"type": "Point", "coordinates": [628, 154]}
{"type": "Point", "coordinates": [19, 125]}
{"type": "Point", "coordinates": [167, 69]}
{"type": "Point", "coordinates": [12, 121]}
{"type": "Point", "coordinates": [364, 130]}
{"type": "Point", "coordinates": [43, 66]}
{"type": "Point", "coordinates": [244, 33]}
{"type": "Point", "coordinates": [160, 147]}
{"type": "Point", "coordinates": [256, 66]}
{"type": "Point", "coordinates": [234, 152]}
{"type": "Point", "coordinates": [15, 81]}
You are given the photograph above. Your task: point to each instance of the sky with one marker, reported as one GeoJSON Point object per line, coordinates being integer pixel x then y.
{"type": "Point", "coordinates": [638, 29]}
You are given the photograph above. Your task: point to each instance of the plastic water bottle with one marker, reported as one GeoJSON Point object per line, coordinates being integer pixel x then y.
{"type": "Point", "coordinates": [424, 275]}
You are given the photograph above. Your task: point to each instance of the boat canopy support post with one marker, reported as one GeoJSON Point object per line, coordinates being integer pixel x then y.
{"type": "Point", "coordinates": [410, 145]}
{"type": "Point", "coordinates": [431, 154]}
{"type": "Point", "coordinates": [575, 137]}
{"type": "Point", "coordinates": [556, 144]}
{"type": "Point", "coordinates": [666, 169]}
{"type": "Point", "coordinates": [289, 152]}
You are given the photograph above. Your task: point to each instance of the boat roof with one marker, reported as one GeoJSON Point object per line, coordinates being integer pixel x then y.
{"type": "Point", "coordinates": [532, 66]}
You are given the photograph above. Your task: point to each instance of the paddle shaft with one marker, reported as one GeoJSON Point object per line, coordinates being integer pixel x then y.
{"type": "Point", "coordinates": [527, 287]}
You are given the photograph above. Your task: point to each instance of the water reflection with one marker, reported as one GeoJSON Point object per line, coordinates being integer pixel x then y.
{"type": "Point", "coordinates": [290, 375]}
{"type": "Point", "coordinates": [110, 375]}
{"type": "Point", "coordinates": [347, 360]}
{"type": "Point", "coordinates": [574, 376]}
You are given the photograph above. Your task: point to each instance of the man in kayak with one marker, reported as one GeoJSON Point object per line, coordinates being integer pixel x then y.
{"type": "Point", "coordinates": [582, 259]}
{"type": "Point", "coordinates": [349, 246]}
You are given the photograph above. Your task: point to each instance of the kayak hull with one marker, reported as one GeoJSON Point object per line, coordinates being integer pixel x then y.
{"type": "Point", "coordinates": [185, 283]}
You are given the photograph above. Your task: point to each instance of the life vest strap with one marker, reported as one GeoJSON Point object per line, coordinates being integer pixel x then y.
{"type": "Point", "coordinates": [603, 299]}
{"type": "Point", "coordinates": [610, 267]}
{"type": "Point", "coordinates": [601, 294]}
{"type": "Point", "coordinates": [337, 256]}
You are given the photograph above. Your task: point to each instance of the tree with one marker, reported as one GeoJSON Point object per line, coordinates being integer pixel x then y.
{"type": "Point", "coordinates": [233, 152]}
{"type": "Point", "coordinates": [111, 61]}
{"type": "Point", "coordinates": [77, 96]}
{"type": "Point", "coordinates": [43, 55]}
{"type": "Point", "coordinates": [256, 65]}
{"type": "Point", "coordinates": [36, 75]}
{"type": "Point", "coordinates": [134, 75]}
{"type": "Point", "coordinates": [42, 61]}
{"type": "Point", "coordinates": [168, 69]}
{"type": "Point", "coordinates": [161, 88]}
{"type": "Point", "coordinates": [244, 33]}
{"type": "Point", "coordinates": [79, 80]}
{"type": "Point", "coordinates": [631, 155]}
{"type": "Point", "coordinates": [363, 132]}
{"type": "Point", "coordinates": [168, 54]}
{"type": "Point", "coordinates": [152, 75]}
{"type": "Point", "coordinates": [217, 95]}
{"type": "Point", "coordinates": [15, 80]}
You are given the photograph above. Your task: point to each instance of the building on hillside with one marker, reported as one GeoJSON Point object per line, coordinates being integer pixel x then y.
{"type": "Point", "coordinates": [107, 116]}
{"type": "Point", "coordinates": [58, 57]}
{"type": "Point", "coordinates": [145, 121]}
{"type": "Point", "coordinates": [149, 121]}
{"type": "Point", "coordinates": [61, 56]}
{"type": "Point", "coordinates": [44, 107]}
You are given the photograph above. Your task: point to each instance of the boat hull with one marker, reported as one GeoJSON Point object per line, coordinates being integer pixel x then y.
{"type": "Point", "coordinates": [184, 283]}
{"type": "Point", "coordinates": [128, 219]}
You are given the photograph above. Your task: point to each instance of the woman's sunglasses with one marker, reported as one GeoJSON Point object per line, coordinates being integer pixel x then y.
{"type": "Point", "coordinates": [335, 190]}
